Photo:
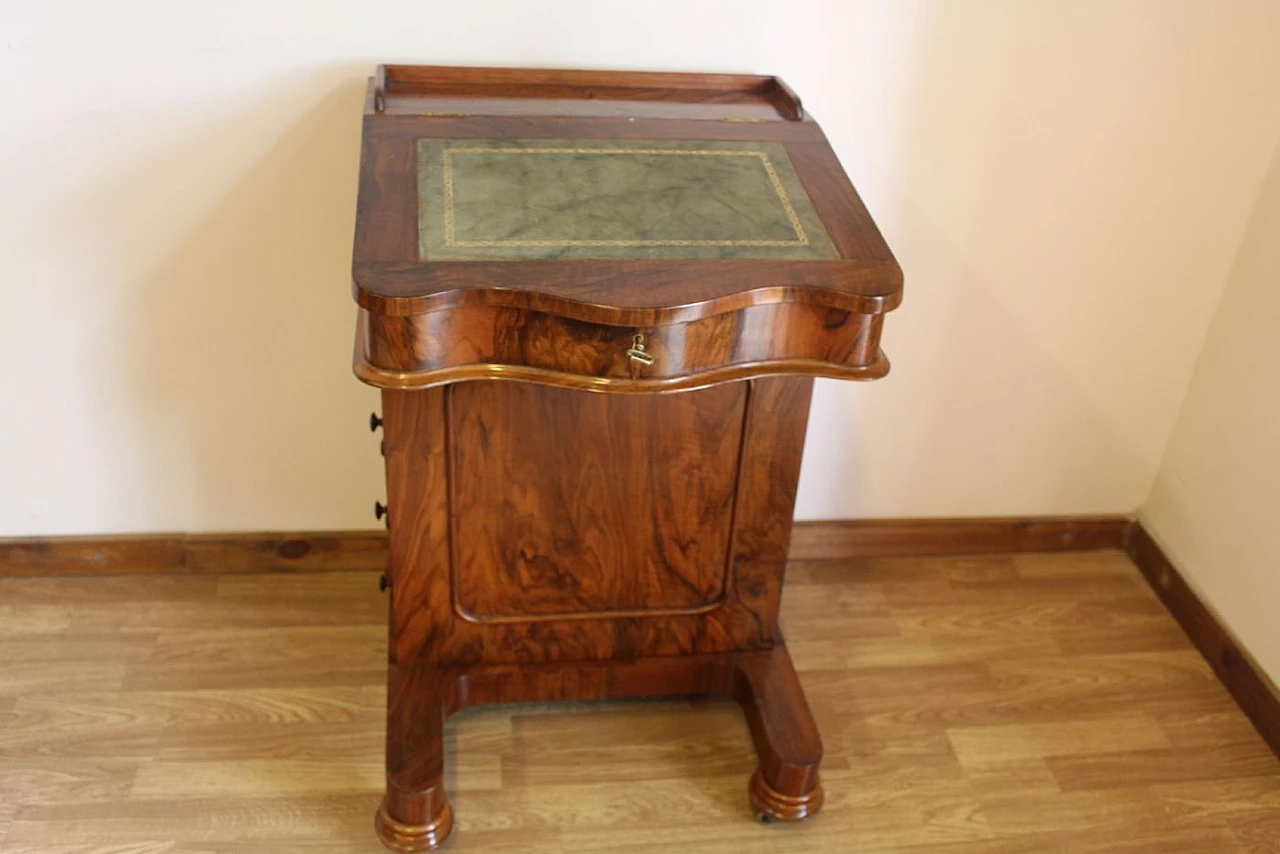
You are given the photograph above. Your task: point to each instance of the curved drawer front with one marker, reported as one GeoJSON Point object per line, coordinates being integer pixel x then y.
{"type": "Point", "coordinates": [483, 341]}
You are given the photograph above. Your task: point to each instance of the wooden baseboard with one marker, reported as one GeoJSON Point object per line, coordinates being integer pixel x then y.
{"type": "Point", "coordinates": [316, 551]}
{"type": "Point", "coordinates": [321, 551]}
{"type": "Point", "coordinates": [846, 538]}
{"type": "Point", "coordinates": [1256, 695]}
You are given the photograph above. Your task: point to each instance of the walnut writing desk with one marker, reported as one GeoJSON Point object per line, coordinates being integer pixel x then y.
{"type": "Point", "coordinates": [595, 303]}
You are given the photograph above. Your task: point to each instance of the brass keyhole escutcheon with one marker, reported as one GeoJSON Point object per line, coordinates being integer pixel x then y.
{"type": "Point", "coordinates": [637, 352]}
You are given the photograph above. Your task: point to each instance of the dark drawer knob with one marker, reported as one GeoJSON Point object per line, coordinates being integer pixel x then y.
{"type": "Point", "coordinates": [374, 422]}
{"type": "Point", "coordinates": [383, 584]}
{"type": "Point", "coordinates": [379, 510]}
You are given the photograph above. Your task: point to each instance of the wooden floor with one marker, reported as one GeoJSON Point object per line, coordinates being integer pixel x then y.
{"type": "Point", "coordinates": [1019, 704]}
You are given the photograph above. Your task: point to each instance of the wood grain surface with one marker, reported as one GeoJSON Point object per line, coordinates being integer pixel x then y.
{"type": "Point", "coordinates": [412, 89]}
{"type": "Point", "coordinates": [980, 705]}
{"type": "Point", "coordinates": [232, 552]}
{"type": "Point", "coordinates": [742, 491]}
{"type": "Point", "coordinates": [603, 505]}
{"type": "Point", "coordinates": [487, 342]}
{"type": "Point", "coordinates": [845, 538]}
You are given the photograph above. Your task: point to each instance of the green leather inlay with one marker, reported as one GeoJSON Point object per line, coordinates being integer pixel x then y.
{"type": "Point", "coordinates": [493, 200]}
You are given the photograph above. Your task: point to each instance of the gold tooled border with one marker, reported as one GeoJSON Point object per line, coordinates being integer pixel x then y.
{"type": "Point", "coordinates": [450, 236]}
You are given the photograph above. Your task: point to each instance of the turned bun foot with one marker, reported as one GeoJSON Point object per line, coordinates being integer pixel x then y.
{"type": "Point", "coordinates": [771, 805]}
{"type": "Point", "coordinates": [399, 836]}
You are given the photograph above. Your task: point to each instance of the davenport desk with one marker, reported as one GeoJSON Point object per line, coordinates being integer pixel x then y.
{"type": "Point", "coordinates": [595, 304]}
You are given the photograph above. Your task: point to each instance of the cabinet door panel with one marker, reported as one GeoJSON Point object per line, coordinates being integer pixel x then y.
{"type": "Point", "coordinates": [569, 504]}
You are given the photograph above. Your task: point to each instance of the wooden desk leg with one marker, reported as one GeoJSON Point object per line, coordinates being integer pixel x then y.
{"type": "Point", "coordinates": [785, 786]}
{"type": "Point", "coordinates": [415, 814]}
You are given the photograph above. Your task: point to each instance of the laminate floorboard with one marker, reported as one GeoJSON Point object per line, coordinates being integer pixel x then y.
{"type": "Point", "coordinates": [969, 705]}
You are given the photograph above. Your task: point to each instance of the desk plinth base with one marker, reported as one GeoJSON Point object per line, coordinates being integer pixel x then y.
{"type": "Point", "coordinates": [399, 836]}
{"type": "Point", "coordinates": [415, 816]}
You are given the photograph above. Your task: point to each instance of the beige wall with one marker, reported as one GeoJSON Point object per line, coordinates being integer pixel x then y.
{"type": "Point", "coordinates": [1215, 507]}
{"type": "Point", "coordinates": [1064, 183]}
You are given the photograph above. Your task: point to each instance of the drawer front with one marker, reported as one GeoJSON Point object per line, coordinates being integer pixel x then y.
{"type": "Point", "coordinates": [474, 342]}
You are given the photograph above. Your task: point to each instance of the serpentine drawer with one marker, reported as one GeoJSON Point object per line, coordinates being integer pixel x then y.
{"type": "Point", "coordinates": [422, 350]}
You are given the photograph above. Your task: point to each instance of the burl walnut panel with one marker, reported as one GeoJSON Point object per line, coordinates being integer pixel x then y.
{"type": "Point", "coordinates": [570, 504]}
{"type": "Point", "coordinates": [481, 341]}
{"type": "Point", "coordinates": [724, 522]}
